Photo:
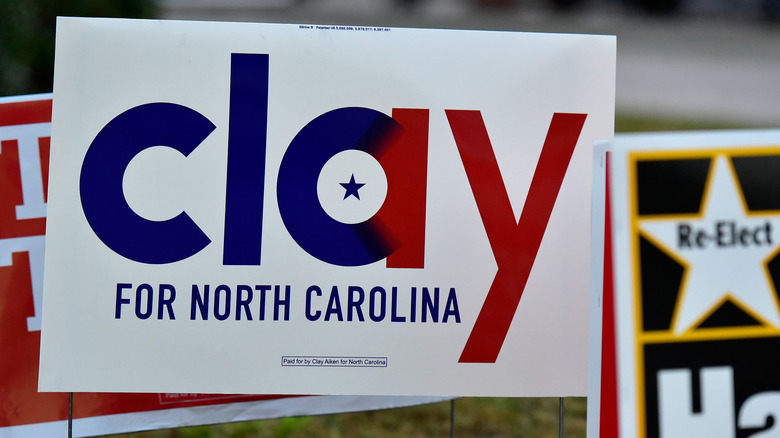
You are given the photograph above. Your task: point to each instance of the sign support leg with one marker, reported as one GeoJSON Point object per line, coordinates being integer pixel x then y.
{"type": "Point", "coordinates": [452, 418]}
{"type": "Point", "coordinates": [560, 417]}
{"type": "Point", "coordinates": [70, 415]}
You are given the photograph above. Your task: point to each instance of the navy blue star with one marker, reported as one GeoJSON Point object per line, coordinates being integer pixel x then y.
{"type": "Point", "coordinates": [352, 188]}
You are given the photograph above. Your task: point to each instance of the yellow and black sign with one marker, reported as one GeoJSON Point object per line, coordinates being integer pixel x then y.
{"type": "Point", "coordinates": [704, 231]}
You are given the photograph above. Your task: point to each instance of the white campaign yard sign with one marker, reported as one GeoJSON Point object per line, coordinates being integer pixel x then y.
{"type": "Point", "coordinates": [306, 209]}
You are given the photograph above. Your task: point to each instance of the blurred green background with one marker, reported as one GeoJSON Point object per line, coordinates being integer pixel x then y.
{"type": "Point", "coordinates": [27, 37]}
{"type": "Point", "coordinates": [474, 417]}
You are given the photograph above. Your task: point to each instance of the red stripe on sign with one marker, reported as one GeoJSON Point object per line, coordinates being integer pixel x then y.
{"type": "Point", "coordinates": [44, 147]}
{"type": "Point", "coordinates": [608, 421]}
{"type": "Point", "coordinates": [22, 113]}
{"type": "Point", "coordinates": [22, 403]}
{"type": "Point", "coordinates": [11, 196]}
{"type": "Point", "coordinates": [514, 245]}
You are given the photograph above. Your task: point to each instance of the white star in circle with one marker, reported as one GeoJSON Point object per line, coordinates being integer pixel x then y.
{"type": "Point", "coordinates": [724, 250]}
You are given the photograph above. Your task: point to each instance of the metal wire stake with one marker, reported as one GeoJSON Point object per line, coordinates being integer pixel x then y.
{"type": "Point", "coordinates": [452, 418]}
{"type": "Point", "coordinates": [560, 417]}
{"type": "Point", "coordinates": [70, 415]}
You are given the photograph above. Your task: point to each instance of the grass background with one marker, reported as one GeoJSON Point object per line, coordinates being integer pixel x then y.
{"type": "Point", "coordinates": [473, 417]}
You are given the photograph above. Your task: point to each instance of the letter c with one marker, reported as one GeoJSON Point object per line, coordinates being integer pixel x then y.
{"type": "Point", "coordinates": [102, 197]}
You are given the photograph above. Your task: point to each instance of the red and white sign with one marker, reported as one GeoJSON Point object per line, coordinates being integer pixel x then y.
{"type": "Point", "coordinates": [25, 412]}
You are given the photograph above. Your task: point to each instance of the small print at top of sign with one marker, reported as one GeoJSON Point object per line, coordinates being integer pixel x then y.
{"type": "Point", "coordinates": [408, 210]}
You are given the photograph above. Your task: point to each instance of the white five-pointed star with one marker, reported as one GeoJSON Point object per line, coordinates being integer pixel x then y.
{"type": "Point", "coordinates": [724, 250]}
